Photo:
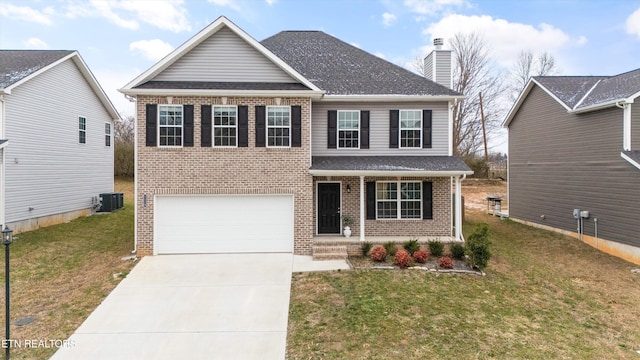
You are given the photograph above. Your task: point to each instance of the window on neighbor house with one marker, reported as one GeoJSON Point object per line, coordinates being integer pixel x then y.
{"type": "Point", "coordinates": [348, 129]}
{"type": "Point", "coordinates": [170, 121]}
{"type": "Point", "coordinates": [107, 134]}
{"type": "Point", "coordinates": [410, 128]}
{"type": "Point", "coordinates": [82, 130]}
{"type": "Point", "coordinates": [225, 126]}
{"type": "Point", "coordinates": [398, 200]}
{"type": "Point", "coordinates": [278, 126]}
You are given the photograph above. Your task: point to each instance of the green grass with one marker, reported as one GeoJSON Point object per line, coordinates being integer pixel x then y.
{"type": "Point", "coordinates": [544, 296]}
{"type": "Point", "coordinates": [61, 273]}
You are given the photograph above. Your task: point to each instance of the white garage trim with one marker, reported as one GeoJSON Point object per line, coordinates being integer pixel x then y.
{"type": "Point", "coordinates": [186, 224]}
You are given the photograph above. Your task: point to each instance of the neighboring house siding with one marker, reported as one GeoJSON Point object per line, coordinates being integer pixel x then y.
{"type": "Point", "coordinates": [560, 161]}
{"type": "Point", "coordinates": [46, 168]}
{"type": "Point", "coordinates": [224, 57]}
{"type": "Point", "coordinates": [379, 128]}
{"type": "Point", "coordinates": [635, 127]}
{"type": "Point", "coordinates": [201, 170]}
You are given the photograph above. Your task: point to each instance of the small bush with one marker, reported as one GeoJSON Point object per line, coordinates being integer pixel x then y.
{"type": "Point", "coordinates": [436, 248]}
{"type": "Point", "coordinates": [457, 251]}
{"type": "Point", "coordinates": [378, 254]}
{"type": "Point", "coordinates": [366, 247]}
{"type": "Point", "coordinates": [411, 246]}
{"type": "Point", "coordinates": [445, 262]}
{"type": "Point", "coordinates": [391, 248]}
{"type": "Point", "coordinates": [402, 259]}
{"type": "Point", "coordinates": [478, 246]}
{"type": "Point", "coordinates": [420, 256]}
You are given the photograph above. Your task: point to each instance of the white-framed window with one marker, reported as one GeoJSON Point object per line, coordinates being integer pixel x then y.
{"type": "Point", "coordinates": [398, 200]}
{"type": "Point", "coordinates": [278, 126]}
{"type": "Point", "coordinates": [170, 121]}
{"type": "Point", "coordinates": [225, 126]}
{"type": "Point", "coordinates": [410, 128]}
{"type": "Point", "coordinates": [348, 129]}
{"type": "Point", "coordinates": [82, 130]}
{"type": "Point", "coordinates": [107, 134]}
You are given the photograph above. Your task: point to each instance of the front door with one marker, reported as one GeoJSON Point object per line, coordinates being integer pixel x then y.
{"type": "Point", "coordinates": [328, 208]}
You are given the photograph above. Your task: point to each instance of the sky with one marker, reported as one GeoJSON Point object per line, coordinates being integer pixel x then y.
{"type": "Point", "coordinates": [119, 39]}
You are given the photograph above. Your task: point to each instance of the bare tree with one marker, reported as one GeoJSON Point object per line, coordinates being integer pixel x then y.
{"type": "Point", "coordinates": [124, 152]}
{"type": "Point", "coordinates": [527, 65]}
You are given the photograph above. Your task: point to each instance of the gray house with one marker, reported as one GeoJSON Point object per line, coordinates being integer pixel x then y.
{"type": "Point", "coordinates": [56, 126]}
{"type": "Point", "coordinates": [574, 159]}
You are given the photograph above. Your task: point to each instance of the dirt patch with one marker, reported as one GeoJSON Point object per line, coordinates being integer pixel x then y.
{"type": "Point", "coordinates": [476, 191]}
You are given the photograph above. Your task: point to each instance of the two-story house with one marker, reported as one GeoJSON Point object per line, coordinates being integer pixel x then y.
{"type": "Point", "coordinates": [574, 159]}
{"type": "Point", "coordinates": [247, 146]}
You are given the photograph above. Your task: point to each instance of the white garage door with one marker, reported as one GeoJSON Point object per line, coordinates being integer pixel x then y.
{"type": "Point", "coordinates": [223, 224]}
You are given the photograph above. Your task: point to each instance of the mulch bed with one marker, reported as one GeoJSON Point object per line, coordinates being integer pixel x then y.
{"type": "Point", "coordinates": [459, 266]}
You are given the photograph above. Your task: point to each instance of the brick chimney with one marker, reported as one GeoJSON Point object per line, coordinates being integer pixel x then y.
{"type": "Point", "coordinates": [437, 65]}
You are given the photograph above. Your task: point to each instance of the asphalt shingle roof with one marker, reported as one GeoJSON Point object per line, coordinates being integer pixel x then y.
{"type": "Point", "coordinates": [390, 163]}
{"type": "Point", "coordinates": [579, 92]}
{"type": "Point", "coordinates": [343, 69]}
{"type": "Point", "coordinates": [16, 65]}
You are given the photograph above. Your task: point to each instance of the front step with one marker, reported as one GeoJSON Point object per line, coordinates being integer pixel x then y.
{"type": "Point", "coordinates": [329, 252]}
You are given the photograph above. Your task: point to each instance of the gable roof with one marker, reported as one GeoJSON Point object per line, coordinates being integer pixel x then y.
{"type": "Point", "coordinates": [19, 66]}
{"type": "Point", "coordinates": [343, 69]}
{"type": "Point", "coordinates": [137, 85]}
{"type": "Point", "coordinates": [580, 94]}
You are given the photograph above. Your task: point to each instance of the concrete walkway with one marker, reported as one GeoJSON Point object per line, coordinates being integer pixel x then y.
{"type": "Point", "coordinates": [219, 306]}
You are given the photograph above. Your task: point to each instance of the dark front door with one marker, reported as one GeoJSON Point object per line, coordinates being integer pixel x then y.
{"type": "Point", "coordinates": [328, 208]}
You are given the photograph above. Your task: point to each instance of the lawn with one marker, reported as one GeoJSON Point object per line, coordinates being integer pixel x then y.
{"type": "Point", "coordinates": [544, 296]}
{"type": "Point", "coordinates": [60, 274]}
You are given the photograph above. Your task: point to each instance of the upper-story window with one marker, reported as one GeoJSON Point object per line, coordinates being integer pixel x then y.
{"type": "Point", "coordinates": [170, 125]}
{"type": "Point", "coordinates": [107, 134]}
{"type": "Point", "coordinates": [82, 130]}
{"type": "Point", "coordinates": [348, 129]}
{"type": "Point", "coordinates": [225, 126]}
{"type": "Point", "coordinates": [278, 126]}
{"type": "Point", "coordinates": [398, 200]}
{"type": "Point", "coordinates": [410, 128]}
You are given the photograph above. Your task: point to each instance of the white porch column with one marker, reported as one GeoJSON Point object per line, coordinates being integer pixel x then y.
{"type": "Point", "coordinates": [362, 208]}
{"type": "Point", "coordinates": [458, 207]}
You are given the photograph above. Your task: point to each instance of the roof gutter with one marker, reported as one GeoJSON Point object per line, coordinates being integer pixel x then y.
{"type": "Point", "coordinates": [391, 97]}
{"type": "Point", "coordinates": [313, 94]}
{"type": "Point", "coordinates": [319, 172]}
{"type": "Point", "coordinates": [599, 106]}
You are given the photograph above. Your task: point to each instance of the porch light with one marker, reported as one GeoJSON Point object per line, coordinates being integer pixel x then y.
{"type": "Point", "coordinates": [348, 188]}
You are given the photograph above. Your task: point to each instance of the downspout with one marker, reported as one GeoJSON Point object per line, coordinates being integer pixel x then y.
{"type": "Point", "coordinates": [133, 99]}
{"type": "Point", "coordinates": [626, 124]}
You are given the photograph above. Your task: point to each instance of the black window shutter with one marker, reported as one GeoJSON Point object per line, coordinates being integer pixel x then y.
{"type": "Point", "coordinates": [188, 126]}
{"type": "Point", "coordinates": [152, 124]}
{"type": "Point", "coordinates": [426, 129]}
{"type": "Point", "coordinates": [243, 126]}
{"type": "Point", "coordinates": [332, 127]}
{"type": "Point", "coordinates": [394, 128]}
{"type": "Point", "coordinates": [205, 135]}
{"type": "Point", "coordinates": [296, 126]}
{"type": "Point", "coordinates": [364, 129]}
{"type": "Point", "coordinates": [371, 200]}
{"type": "Point", "coordinates": [260, 126]}
{"type": "Point", "coordinates": [427, 200]}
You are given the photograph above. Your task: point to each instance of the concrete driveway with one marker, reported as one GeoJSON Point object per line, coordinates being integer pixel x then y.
{"type": "Point", "coordinates": [218, 306]}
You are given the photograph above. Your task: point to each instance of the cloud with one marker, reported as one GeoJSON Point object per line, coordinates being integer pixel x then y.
{"type": "Point", "coordinates": [153, 50]}
{"type": "Point", "coordinates": [105, 9]}
{"type": "Point", "coordinates": [388, 19]}
{"type": "Point", "coordinates": [432, 7]}
{"type": "Point", "coordinates": [633, 23]}
{"type": "Point", "coordinates": [504, 39]}
{"type": "Point", "coordinates": [35, 43]}
{"type": "Point", "coordinates": [26, 13]}
{"type": "Point", "coordinates": [233, 4]}
{"type": "Point", "coordinates": [271, 2]}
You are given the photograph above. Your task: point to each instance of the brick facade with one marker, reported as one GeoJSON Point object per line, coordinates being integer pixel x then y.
{"type": "Point", "coordinates": [210, 170]}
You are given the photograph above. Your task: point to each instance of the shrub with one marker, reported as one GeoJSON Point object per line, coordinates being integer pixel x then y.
{"type": "Point", "coordinates": [378, 253]}
{"type": "Point", "coordinates": [366, 247]}
{"type": "Point", "coordinates": [436, 247]}
{"type": "Point", "coordinates": [457, 251]}
{"type": "Point", "coordinates": [411, 246]}
{"type": "Point", "coordinates": [420, 256]}
{"type": "Point", "coordinates": [402, 259]}
{"type": "Point", "coordinates": [445, 262]}
{"type": "Point", "coordinates": [478, 246]}
{"type": "Point", "coordinates": [390, 247]}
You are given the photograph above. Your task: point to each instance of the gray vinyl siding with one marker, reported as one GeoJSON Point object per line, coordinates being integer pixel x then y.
{"type": "Point", "coordinates": [635, 126]}
{"type": "Point", "coordinates": [379, 128]}
{"type": "Point", "coordinates": [560, 161]}
{"type": "Point", "coordinates": [224, 57]}
{"type": "Point", "coordinates": [428, 66]}
{"type": "Point", "coordinates": [46, 168]}
{"type": "Point", "coordinates": [443, 68]}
